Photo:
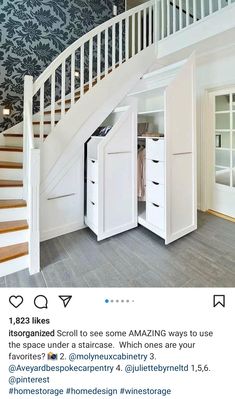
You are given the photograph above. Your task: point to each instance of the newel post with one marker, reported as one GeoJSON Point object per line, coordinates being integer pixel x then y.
{"type": "Point", "coordinates": [27, 129]}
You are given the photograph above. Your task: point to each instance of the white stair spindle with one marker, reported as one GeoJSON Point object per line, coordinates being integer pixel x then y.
{"type": "Point", "coordinates": [180, 15]}
{"type": "Point", "coordinates": [202, 9]}
{"type": "Point", "coordinates": [53, 100]}
{"type": "Point", "coordinates": [133, 35]}
{"type": "Point", "coordinates": [63, 79]}
{"type": "Point", "coordinates": [168, 17]}
{"type": "Point", "coordinates": [72, 77]}
{"type": "Point", "coordinates": [41, 129]}
{"type": "Point", "coordinates": [113, 46]}
{"type": "Point", "coordinates": [194, 11]}
{"type": "Point", "coordinates": [90, 62]}
{"type": "Point", "coordinates": [220, 4]}
{"type": "Point", "coordinates": [82, 70]}
{"type": "Point", "coordinates": [162, 19]}
{"type": "Point", "coordinates": [210, 7]}
{"type": "Point", "coordinates": [174, 16]}
{"type": "Point", "coordinates": [145, 28]}
{"type": "Point", "coordinates": [127, 38]}
{"type": "Point", "coordinates": [187, 12]}
{"type": "Point", "coordinates": [106, 51]}
{"type": "Point", "coordinates": [139, 31]}
{"type": "Point", "coordinates": [120, 42]}
{"type": "Point", "coordinates": [98, 56]}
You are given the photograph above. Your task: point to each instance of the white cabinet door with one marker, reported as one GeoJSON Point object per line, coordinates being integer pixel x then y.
{"type": "Point", "coordinates": [181, 215]}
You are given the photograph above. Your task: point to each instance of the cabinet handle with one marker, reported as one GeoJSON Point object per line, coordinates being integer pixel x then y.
{"type": "Point", "coordinates": [154, 161]}
{"type": "Point", "coordinates": [157, 206]}
{"type": "Point", "coordinates": [92, 182]}
{"type": "Point", "coordinates": [155, 139]}
{"type": "Point", "coordinates": [92, 203]}
{"type": "Point", "coordinates": [93, 161]}
{"type": "Point", "coordinates": [156, 184]}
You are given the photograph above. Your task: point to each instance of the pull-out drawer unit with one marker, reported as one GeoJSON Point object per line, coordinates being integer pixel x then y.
{"type": "Point", "coordinates": [155, 171]}
{"type": "Point", "coordinates": [155, 149]}
{"type": "Point", "coordinates": [155, 192]}
{"type": "Point", "coordinates": [155, 214]}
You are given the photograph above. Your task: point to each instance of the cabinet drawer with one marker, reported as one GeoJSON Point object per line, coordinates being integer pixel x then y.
{"type": "Point", "coordinates": [92, 170]}
{"type": "Point", "coordinates": [155, 149]}
{"type": "Point", "coordinates": [155, 171]}
{"type": "Point", "coordinates": [92, 191]}
{"type": "Point", "coordinates": [155, 192]}
{"type": "Point", "coordinates": [92, 212]}
{"type": "Point", "coordinates": [155, 215]}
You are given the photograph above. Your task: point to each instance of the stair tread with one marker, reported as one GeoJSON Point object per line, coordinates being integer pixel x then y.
{"type": "Point", "coordinates": [44, 122]}
{"type": "Point", "coordinates": [13, 251]}
{"type": "Point", "coordinates": [13, 225]}
{"type": "Point", "coordinates": [11, 148]}
{"type": "Point", "coordinates": [36, 135]}
{"type": "Point", "coordinates": [57, 111]}
{"type": "Point", "coordinates": [12, 203]}
{"type": "Point", "coordinates": [11, 183]}
{"type": "Point", "coordinates": [11, 165]}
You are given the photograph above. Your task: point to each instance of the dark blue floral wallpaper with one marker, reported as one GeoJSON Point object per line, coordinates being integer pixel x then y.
{"type": "Point", "coordinates": [33, 33]}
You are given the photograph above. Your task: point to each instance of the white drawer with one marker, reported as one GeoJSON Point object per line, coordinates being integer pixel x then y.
{"type": "Point", "coordinates": [92, 170]}
{"type": "Point", "coordinates": [155, 149]}
{"type": "Point", "coordinates": [92, 191]}
{"type": "Point", "coordinates": [155, 192]}
{"type": "Point", "coordinates": [155, 215]}
{"type": "Point", "coordinates": [155, 171]}
{"type": "Point", "coordinates": [92, 212]}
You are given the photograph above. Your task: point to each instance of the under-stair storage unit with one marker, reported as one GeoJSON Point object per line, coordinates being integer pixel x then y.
{"type": "Point", "coordinates": [166, 105]}
{"type": "Point", "coordinates": [111, 178]}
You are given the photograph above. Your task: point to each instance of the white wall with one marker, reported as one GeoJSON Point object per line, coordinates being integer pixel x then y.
{"type": "Point", "coordinates": [214, 71]}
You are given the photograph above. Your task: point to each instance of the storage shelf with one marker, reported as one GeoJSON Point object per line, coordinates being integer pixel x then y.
{"type": "Point", "coordinates": [154, 111]}
{"type": "Point", "coordinates": [222, 112]}
{"type": "Point", "coordinates": [151, 137]}
{"type": "Point", "coordinates": [222, 149]}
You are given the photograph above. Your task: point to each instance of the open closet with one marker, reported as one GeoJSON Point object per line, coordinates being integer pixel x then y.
{"type": "Point", "coordinates": [144, 169]}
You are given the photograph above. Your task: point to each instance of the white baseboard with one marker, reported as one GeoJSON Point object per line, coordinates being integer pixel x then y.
{"type": "Point", "coordinates": [60, 231]}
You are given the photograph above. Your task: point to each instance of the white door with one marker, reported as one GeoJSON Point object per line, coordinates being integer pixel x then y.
{"type": "Point", "coordinates": [222, 168]}
{"type": "Point", "coordinates": [181, 208]}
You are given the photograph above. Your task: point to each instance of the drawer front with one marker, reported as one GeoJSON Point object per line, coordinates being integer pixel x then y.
{"type": "Point", "coordinates": [92, 191]}
{"type": "Point", "coordinates": [155, 171]}
{"type": "Point", "coordinates": [92, 170]}
{"type": "Point", "coordinates": [155, 215]}
{"type": "Point", "coordinates": [92, 212]}
{"type": "Point", "coordinates": [155, 149]}
{"type": "Point", "coordinates": [155, 192]}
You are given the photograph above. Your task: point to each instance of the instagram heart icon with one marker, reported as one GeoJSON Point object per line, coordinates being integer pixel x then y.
{"type": "Point", "coordinates": [16, 301]}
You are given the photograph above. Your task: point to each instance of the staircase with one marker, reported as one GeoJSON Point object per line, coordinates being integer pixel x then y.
{"type": "Point", "coordinates": [64, 106]}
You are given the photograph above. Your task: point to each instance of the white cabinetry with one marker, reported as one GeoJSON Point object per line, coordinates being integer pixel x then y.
{"type": "Point", "coordinates": [111, 178]}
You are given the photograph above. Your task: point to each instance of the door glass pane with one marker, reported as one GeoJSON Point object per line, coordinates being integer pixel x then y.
{"type": "Point", "coordinates": [222, 166]}
{"type": "Point", "coordinates": [222, 103]}
{"type": "Point", "coordinates": [222, 121]}
{"type": "Point", "coordinates": [233, 101]}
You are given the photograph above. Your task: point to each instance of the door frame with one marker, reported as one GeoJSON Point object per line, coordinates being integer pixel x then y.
{"type": "Point", "coordinates": [208, 143]}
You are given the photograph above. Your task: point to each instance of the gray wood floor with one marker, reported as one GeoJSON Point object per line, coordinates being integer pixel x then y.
{"type": "Point", "coordinates": [137, 258]}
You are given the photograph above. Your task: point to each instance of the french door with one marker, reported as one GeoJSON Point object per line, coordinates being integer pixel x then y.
{"type": "Point", "coordinates": [223, 152]}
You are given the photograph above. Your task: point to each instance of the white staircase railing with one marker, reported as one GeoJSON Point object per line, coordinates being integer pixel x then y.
{"type": "Point", "coordinates": [89, 59]}
{"type": "Point", "coordinates": [175, 15]}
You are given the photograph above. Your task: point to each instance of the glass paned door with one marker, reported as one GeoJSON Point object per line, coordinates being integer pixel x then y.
{"type": "Point", "coordinates": [222, 150]}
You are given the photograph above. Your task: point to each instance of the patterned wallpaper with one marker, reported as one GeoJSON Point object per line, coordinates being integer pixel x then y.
{"type": "Point", "coordinates": [33, 33]}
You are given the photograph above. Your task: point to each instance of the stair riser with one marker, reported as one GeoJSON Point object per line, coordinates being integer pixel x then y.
{"type": "Point", "coordinates": [13, 214]}
{"type": "Point", "coordinates": [15, 237]}
{"type": "Point", "coordinates": [9, 141]}
{"type": "Point", "coordinates": [11, 192]}
{"type": "Point", "coordinates": [46, 129]}
{"type": "Point", "coordinates": [14, 265]}
{"type": "Point", "coordinates": [11, 156]}
{"type": "Point", "coordinates": [11, 174]}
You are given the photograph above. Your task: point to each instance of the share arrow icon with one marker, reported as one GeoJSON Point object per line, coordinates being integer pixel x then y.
{"type": "Point", "coordinates": [65, 299]}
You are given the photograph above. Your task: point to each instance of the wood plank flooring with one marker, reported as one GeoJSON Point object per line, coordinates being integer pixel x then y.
{"type": "Point", "coordinates": [137, 258]}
